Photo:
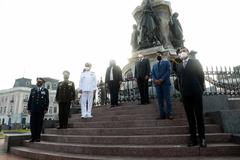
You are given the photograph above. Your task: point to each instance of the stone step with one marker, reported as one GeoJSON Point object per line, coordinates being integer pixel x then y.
{"type": "Point", "coordinates": [47, 155]}
{"type": "Point", "coordinates": [125, 116]}
{"type": "Point", "coordinates": [164, 130]}
{"type": "Point", "coordinates": [223, 149]}
{"type": "Point", "coordinates": [133, 123]}
{"type": "Point", "coordinates": [132, 111]}
{"type": "Point", "coordinates": [153, 106]}
{"type": "Point", "coordinates": [134, 140]}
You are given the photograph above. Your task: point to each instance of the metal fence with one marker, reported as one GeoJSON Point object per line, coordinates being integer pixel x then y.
{"type": "Point", "coordinates": [222, 81]}
{"type": "Point", "coordinates": [218, 81]}
{"type": "Point", "coordinates": [129, 91]}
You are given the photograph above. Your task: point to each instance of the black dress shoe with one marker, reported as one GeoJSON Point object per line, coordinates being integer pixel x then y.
{"type": "Point", "coordinates": [37, 140]}
{"type": "Point", "coordinates": [32, 140]}
{"type": "Point", "coordinates": [203, 143]}
{"type": "Point", "coordinates": [170, 117]}
{"type": "Point", "coordinates": [161, 117]}
{"type": "Point", "coordinates": [192, 143]}
{"type": "Point", "coordinates": [59, 127]}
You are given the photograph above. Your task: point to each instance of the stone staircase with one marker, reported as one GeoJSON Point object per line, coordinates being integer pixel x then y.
{"type": "Point", "coordinates": [128, 132]}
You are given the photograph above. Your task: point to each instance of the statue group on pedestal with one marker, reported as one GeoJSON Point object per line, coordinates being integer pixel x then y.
{"type": "Point", "coordinates": [148, 32]}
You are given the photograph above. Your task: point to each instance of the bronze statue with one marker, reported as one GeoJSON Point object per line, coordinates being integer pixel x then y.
{"type": "Point", "coordinates": [134, 40]}
{"type": "Point", "coordinates": [149, 28]}
{"type": "Point", "coordinates": [176, 31]}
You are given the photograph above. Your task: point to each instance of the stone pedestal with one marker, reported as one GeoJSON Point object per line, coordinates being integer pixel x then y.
{"type": "Point", "coordinates": [163, 11]}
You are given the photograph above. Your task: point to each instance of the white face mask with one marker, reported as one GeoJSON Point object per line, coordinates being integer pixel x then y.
{"type": "Point", "coordinates": [87, 68]}
{"type": "Point", "coordinates": [183, 55]}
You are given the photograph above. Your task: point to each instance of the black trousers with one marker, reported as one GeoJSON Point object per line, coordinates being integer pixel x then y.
{"type": "Point", "coordinates": [143, 89]}
{"type": "Point", "coordinates": [36, 123]}
{"type": "Point", "coordinates": [114, 89]}
{"type": "Point", "coordinates": [64, 109]}
{"type": "Point", "coordinates": [194, 111]}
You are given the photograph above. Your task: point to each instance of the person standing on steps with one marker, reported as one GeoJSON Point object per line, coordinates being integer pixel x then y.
{"type": "Point", "coordinates": [113, 80]}
{"type": "Point", "coordinates": [161, 77]}
{"type": "Point", "coordinates": [87, 87]}
{"type": "Point", "coordinates": [37, 107]}
{"type": "Point", "coordinates": [141, 74]}
{"type": "Point", "coordinates": [191, 77]}
{"type": "Point", "coordinates": [65, 96]}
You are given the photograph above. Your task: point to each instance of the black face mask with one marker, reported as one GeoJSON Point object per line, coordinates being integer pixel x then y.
{"type": "Point", "coordinates": [159, 58]}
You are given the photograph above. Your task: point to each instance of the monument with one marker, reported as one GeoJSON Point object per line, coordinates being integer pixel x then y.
{"type": "Point", "coordinates": [157, 28]}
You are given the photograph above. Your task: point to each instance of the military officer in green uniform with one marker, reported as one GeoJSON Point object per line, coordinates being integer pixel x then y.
{"type": "Point", "coordinates": [64, 96]}
{"type": "Point", "coordinates": [37, 106]}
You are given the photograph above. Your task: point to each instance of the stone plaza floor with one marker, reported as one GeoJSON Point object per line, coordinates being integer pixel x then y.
{"type": "Point", "coordinates": [4, 156]}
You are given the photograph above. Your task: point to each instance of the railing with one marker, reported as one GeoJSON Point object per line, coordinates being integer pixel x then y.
{"type": "Point", "coordinates": [129, 91]}
{"type": "Point", "coordinates": [218, 81]}
{"type": "Point", "coordinates": [222, 81]}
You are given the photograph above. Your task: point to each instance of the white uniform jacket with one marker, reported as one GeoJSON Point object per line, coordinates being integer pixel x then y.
{"type": "Point", "coordinates": [88, 81]}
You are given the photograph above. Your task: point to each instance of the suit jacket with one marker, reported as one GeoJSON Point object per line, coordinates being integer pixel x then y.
{"type": "Point", "coordinates": [191, 78]}
{"type": "Point", "coordinates": [142, 68]}
{"type": "Point", "coordinates": [162, 70]}
{"type": "Point", "coordinates": [117, 74]}
{"type": "Point", "coordinates": [65, 91]}
{"type": "Point", "coordinates": [38, 100]}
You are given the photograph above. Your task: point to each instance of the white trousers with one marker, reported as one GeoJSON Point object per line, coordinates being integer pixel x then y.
{"type": "Point", "coordinates": [86, 103]}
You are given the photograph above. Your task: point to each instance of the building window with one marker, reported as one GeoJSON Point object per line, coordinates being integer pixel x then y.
{"type": "Point", "coordinates": [11, 109]}
{"type": "Point", "coordinates": [5, 110]}
{"type": "Point", "coordinates": [25, 111]}
{"type": "Point", "coordinates": [55, 110]}
{"type": "Point", "coordinates": [50, 110]}
{"type": "Point", "coordinates": [27, 83]}
{"type": "Point", "coordinates": [25, 98]}
{"type": "Point", "coordinates": [12, 100]}
{"type": "Point", "coordinates": [48, 85]}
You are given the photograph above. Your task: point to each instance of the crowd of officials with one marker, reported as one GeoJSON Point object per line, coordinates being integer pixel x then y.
{"type": "Point", "coordinates": [191, 85]}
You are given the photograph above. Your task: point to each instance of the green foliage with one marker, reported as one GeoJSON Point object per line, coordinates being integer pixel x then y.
{"type": "Point", "coordinates": [17, 131]}
{"type": "Point", "coordinates": [1, 136]}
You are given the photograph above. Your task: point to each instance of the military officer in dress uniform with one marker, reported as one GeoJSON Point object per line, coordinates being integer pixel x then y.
{"type": "Point", "coordinates": [88, 87]}
{"type": "Point", "coordinates": [64, 96]}
{"type": "Point", "coordinates": [37, 106]}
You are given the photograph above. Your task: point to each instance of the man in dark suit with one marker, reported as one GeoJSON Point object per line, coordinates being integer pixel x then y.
{"type": "Point", "coordinates": [142, 72]}
{"type": "Point", "coordinates": [191, 78]}
{"type": "Point", "coordinates": [161, 77]}
{"type": "Point", "coordinates": [64, 96]}
{"type": "Point", "coordinates": [37, 106]}
{"type": "Point", "coordinates": [113, 79]}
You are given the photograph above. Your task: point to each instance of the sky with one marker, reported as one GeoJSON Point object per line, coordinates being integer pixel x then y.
{"type": "Point", "coordinates": [45, 37]}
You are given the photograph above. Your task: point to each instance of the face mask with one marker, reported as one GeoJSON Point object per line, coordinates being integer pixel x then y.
{"type": "Point", "coordinates": [159, 58]}
{"type": "Point", "coordinates": [39, 84]}
{"type": "Point", "coordinates": [183, 55]}
{"type": "Point", "coordinates": [87, 68]}
{"type": "Point", "coordinates": [140, 57]}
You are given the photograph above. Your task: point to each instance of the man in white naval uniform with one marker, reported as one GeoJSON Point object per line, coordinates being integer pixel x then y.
{"type": "Point", "coordinates": [88, 87]}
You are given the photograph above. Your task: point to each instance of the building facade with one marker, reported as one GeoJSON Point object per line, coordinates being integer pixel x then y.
{"type": "Point", "coordinates": [13, 103]}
